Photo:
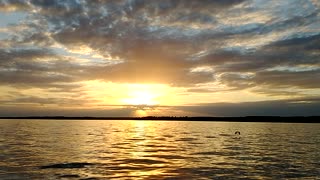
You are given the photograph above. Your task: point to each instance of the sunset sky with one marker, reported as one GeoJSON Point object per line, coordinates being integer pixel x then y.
{"type": "Point", "coordinates": [159, 57]}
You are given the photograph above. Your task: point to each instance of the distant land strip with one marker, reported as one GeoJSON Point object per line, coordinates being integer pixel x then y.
{"type": "Point", "coordinates": [280, 119]}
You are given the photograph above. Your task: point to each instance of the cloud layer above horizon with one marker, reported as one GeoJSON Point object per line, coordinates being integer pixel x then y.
{"type": "Point", "coordinates": [80, 53]}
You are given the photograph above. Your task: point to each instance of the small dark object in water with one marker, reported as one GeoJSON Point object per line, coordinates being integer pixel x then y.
{"type": "Point", "coordinates": [66, 165]}
{"type": "Point", "coordinates": [237, 132]}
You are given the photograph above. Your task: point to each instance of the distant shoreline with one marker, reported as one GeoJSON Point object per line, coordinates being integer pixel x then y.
{"type": "Point", "coordinates": [277, 119]}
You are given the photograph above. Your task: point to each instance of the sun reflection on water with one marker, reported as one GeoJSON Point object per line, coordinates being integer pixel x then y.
{"type": "Point", "coordinates": [158, 150]}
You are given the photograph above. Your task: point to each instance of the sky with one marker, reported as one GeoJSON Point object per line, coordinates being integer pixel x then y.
{"type": "Point", "coordinates": [159, 57]}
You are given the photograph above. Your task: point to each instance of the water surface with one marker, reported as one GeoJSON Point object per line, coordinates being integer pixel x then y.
{"type": "Point", "coordinates": [93, 149]}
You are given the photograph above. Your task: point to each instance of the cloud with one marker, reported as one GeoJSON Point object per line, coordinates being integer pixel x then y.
{"type": "Point", "coordinates": [296, 107]}
{"type": "Point", "coordinates": [134, 31]}
{"type": "Point", "coordinates": [25, 66]}
{"type": "Point", "coordinates": [250, 45]}
{"type": "Point", "coordinates": [10, 111]}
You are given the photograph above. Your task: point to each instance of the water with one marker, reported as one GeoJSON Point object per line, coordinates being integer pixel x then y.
{"type": "Point", "coordinates": [47, 149]}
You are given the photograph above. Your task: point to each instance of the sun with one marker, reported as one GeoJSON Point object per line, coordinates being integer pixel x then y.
{"type": "Point", "coordinates": [141, 98]}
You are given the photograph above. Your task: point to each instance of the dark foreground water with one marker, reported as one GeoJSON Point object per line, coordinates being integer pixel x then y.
{"type": "Point", "coordinates": [47, 149]}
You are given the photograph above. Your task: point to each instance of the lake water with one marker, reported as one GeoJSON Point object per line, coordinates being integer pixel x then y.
{"type": "Point", "coordinates": [87, 149]}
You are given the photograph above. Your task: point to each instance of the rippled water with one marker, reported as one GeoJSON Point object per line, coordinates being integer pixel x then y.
{"type": "Point", "coordinates": [47, 149]}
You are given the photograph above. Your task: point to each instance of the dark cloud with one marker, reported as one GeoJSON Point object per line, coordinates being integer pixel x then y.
{"type": "Point", "coordinates": [11, 111]}
{"type": "Point", "coordinates": [23, 66]}
{"type": "Point", "coordinates": [304, 79]}
{"type": "Point", "coordinates": [45, 101]}
{"type": "Point", "coordinates": [14, 55]}
{"type": "Point", "coordinates": [134, 31]}
{"type": "Point", "coordinates": [263, 48]}
{"type": "Point", "coordinates": [280, 92]}
{"type": "Point", "coordinates": [308, 43]}
{"type": "Point", "coordinates": [297, 107]}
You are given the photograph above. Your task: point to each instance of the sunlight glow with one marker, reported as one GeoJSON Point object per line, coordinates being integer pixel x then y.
{"type": "Point", "coordinates": [141, 98]}
{"type": "Point", "coordinates": [140, 113]}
